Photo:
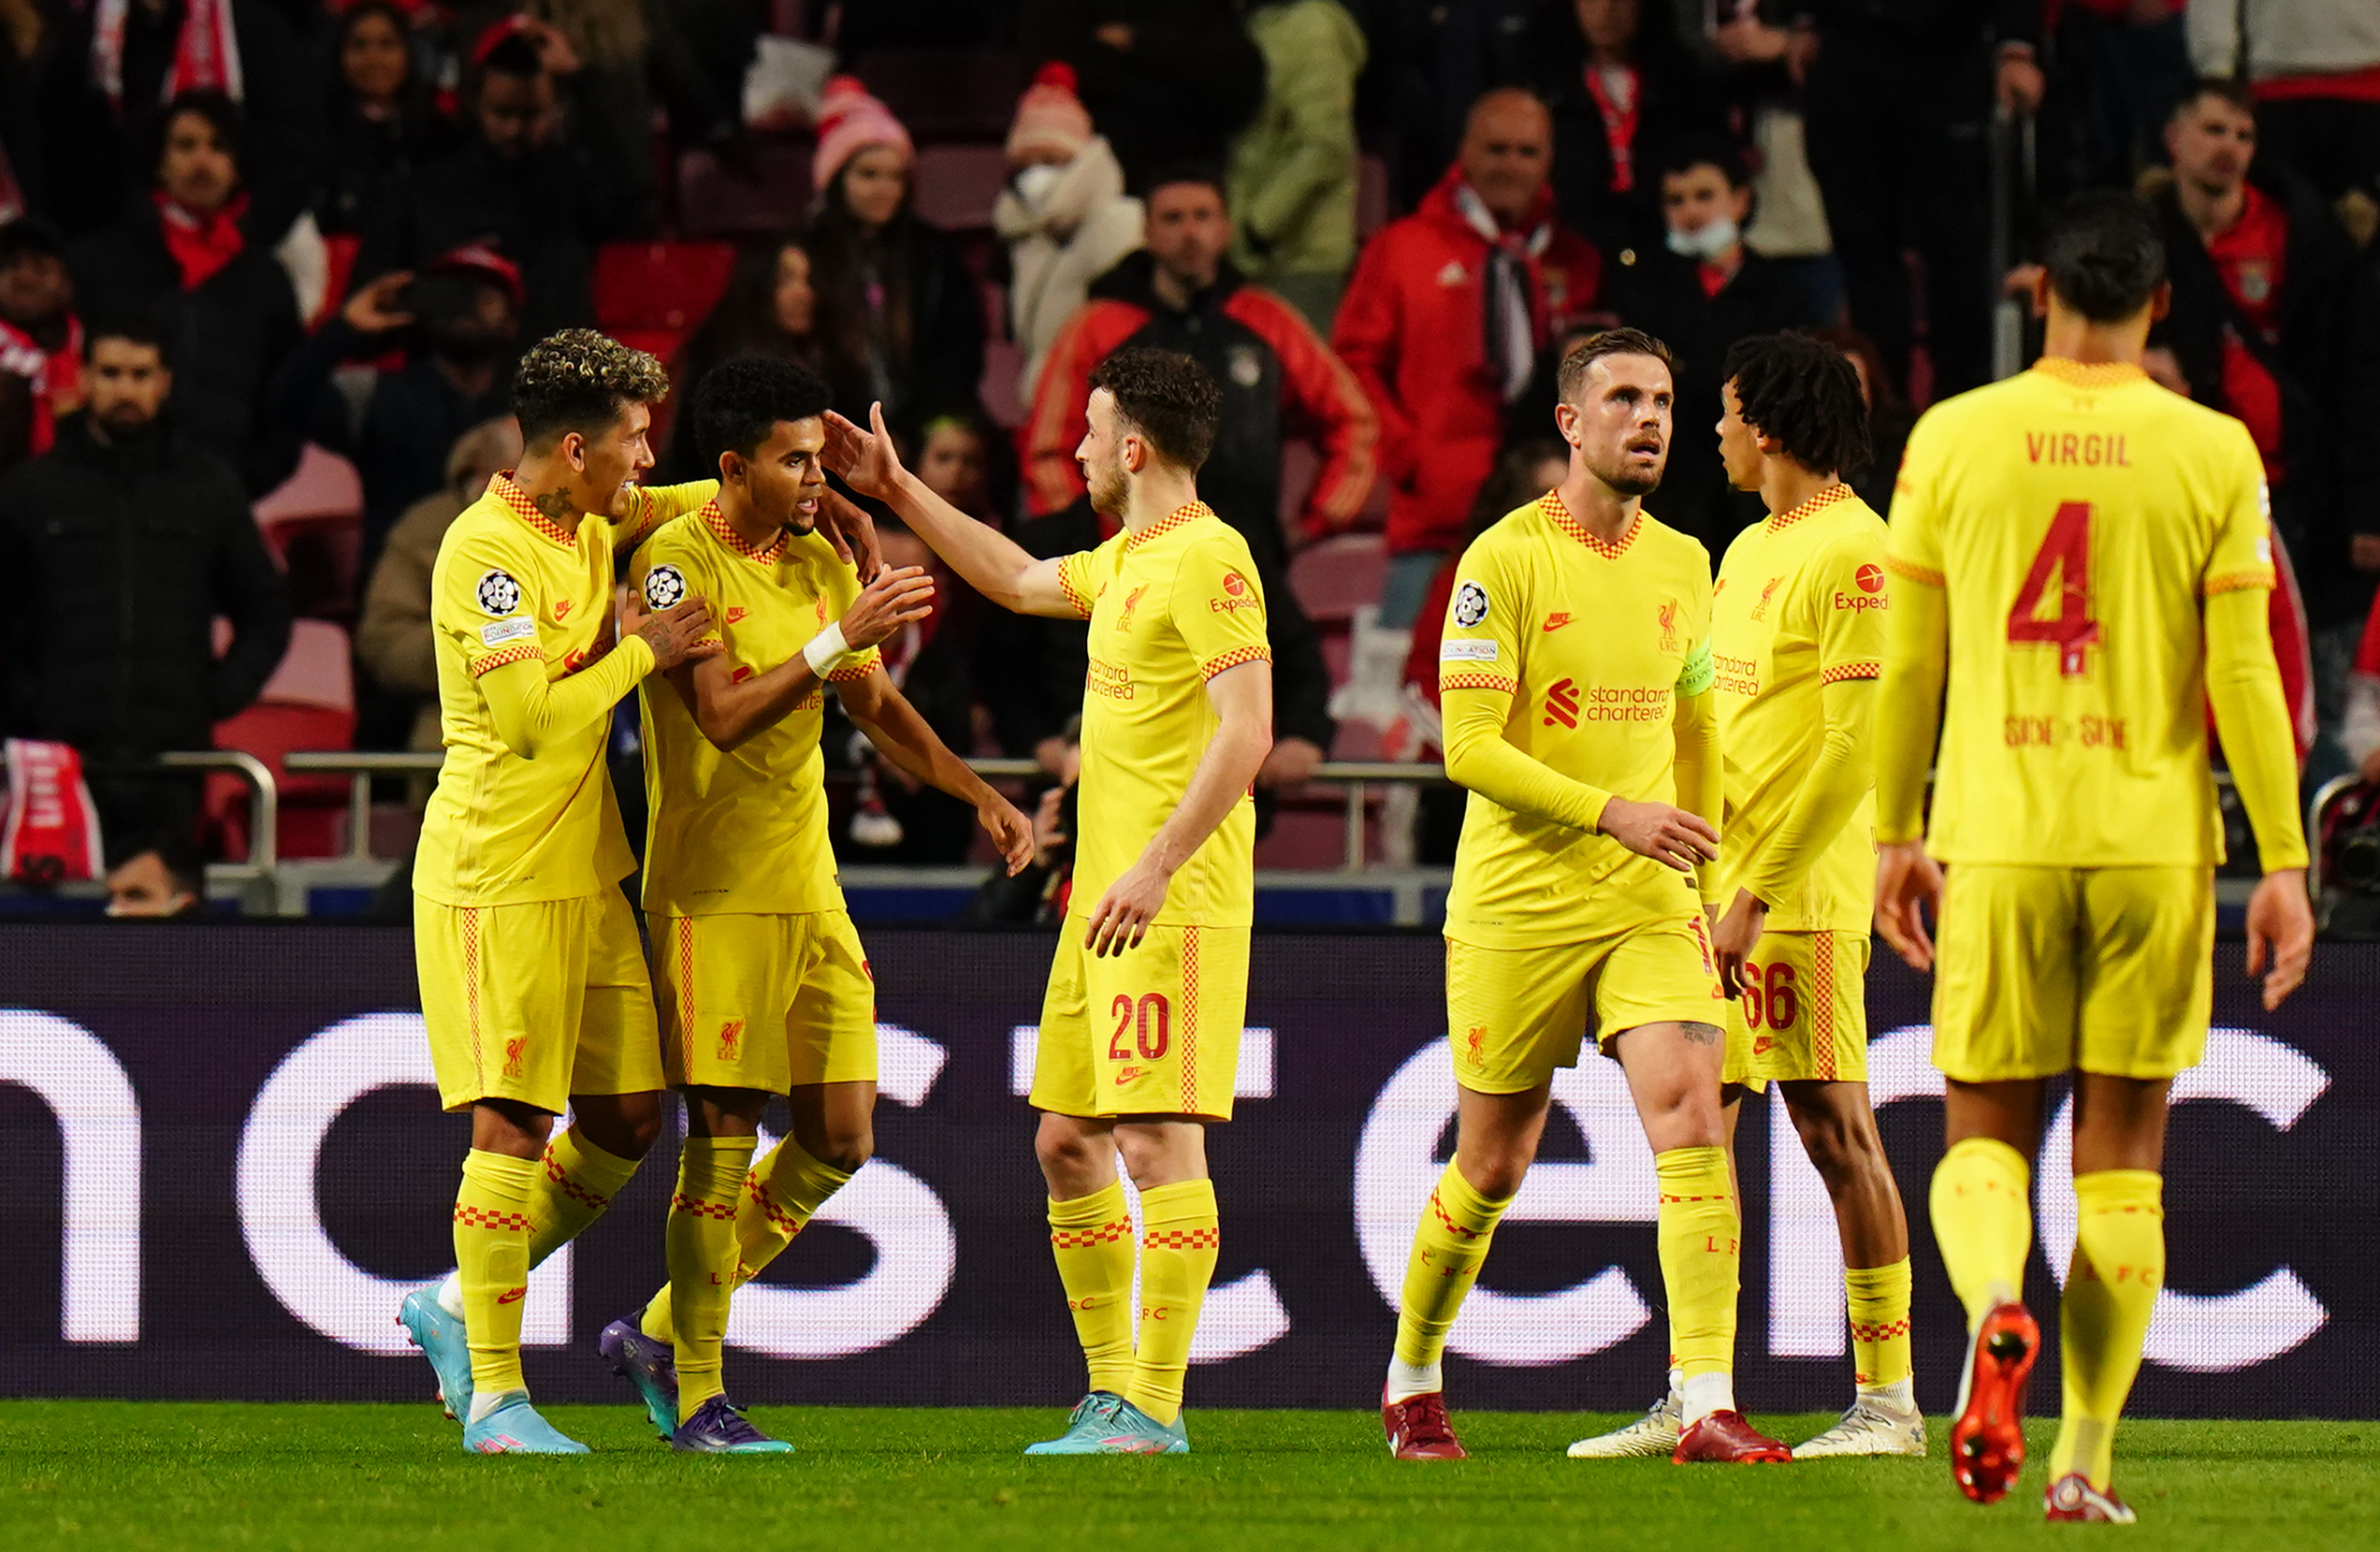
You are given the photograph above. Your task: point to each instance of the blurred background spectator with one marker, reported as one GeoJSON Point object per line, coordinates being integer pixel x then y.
{"type": "Point", "coordinates": [193, 251]}
{"type": "Point", "coordinates": [122, 545]}
{"type": "Point", "coordinates": [1165, 80]}
{"type": "Point", "coordinates": [392, 637]}
{"type": "Point", "coordinates": [903, 316]}
{"type": "Point", "coordinates": [1062, 213]}
{"type": "Point", "coordinates": [381, 124]}
{"type": "Point", "coordinates": [1625, 94]}
{"type": "Point", "coordinates": [2313, 67]}
{"type": "Point", "coordinates": [165, 880]}
{"type": "Point", "coordinates": [1293, 169]}
{"type": "Point", "coordinates": [770, 308]}
{"type": "Point", "coordinates": [40, 341]}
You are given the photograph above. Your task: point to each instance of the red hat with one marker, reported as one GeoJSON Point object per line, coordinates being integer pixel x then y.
{"type": "Point", "coordinates": [480, 260]}
{"type": "Point", "coordinates": [1050, 118]}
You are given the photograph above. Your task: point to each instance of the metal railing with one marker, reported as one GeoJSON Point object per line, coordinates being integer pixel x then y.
{"type": "Point", "coordinates": [1354, 777]}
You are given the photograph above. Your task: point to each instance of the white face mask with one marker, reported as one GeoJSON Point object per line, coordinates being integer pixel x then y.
{"type": "Point", "coordinates": [1034, 183]}
{"type": "Point", "coordinates": [1706, 242]}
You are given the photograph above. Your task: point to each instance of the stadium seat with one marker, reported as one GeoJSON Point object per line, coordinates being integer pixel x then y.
{"type": "Point", "coordinates": [309, 704]}
{"type": "Point", "coordinates": [1003, 363]}
{"type": "Point", "coordinates": [1333, 578]}
{"type": "Point", "coordinates": [324, 485]}
{"type": "Point", "coordinates": [312, 522]}
{"type": "Point", "coordinates": [714, 200]}
{"type": "Point", "coordinates": [1372, 196]}
{"type": "Point", "coordinates": [957, 184]}
{"type": "Point", "coordinates": [648, 291]}
{"type": "Point", "coordinates": [945, 95]}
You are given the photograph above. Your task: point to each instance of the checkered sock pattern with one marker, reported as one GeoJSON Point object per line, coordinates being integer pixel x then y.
{"type": "Point", "coordinates": [1983, 1222]}
{"type": "Point", "coordinates": [1701, 1239]}
{"type": "Point", "coordinates": [1456, 1224]}
{"type": "Point", "coordinates": [1180, 1238]}
{"type": "Point", "coordinates": [2111, 1291]}
{"type": "Point", "coordinates": [1877, 1298]}
{"type": "Point", "coordinates": [576, 1182]}
{"type": "Point", "coordinates": [699, 1243]}
{"type": "Point", "coordinates": [491, 1257]}
{"type": "Point", "coordinates": [773, 1203]}
{"type": "Point", "coordinates": [1091, 1241]}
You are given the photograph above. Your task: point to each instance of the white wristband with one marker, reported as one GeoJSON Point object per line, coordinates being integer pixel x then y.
{"type": "Point", "coordinates": [827, 651]}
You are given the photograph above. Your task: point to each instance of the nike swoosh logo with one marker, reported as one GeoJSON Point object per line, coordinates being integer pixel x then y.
{"type": "Point", "coordinates": [512, 1297]}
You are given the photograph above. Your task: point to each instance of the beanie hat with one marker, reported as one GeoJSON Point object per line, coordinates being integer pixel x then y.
{"type": "Point", "coordinates": [851, 121]}
{"type": "Point", "coordinates": [1050, 117]}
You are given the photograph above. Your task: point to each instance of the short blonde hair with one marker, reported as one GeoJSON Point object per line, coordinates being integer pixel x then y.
{"type": "Point", "coordinates": [581, 381]}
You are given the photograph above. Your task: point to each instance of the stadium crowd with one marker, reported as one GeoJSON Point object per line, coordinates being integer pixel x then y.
{"type": "Point", "coordinates": [266, 267]}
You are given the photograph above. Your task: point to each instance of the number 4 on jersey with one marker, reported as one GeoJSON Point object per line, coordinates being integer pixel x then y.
{"type": "Point", "coordinates": [2067, 549]}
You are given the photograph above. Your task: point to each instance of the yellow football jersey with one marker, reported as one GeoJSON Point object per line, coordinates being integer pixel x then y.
{"type": "Point", "coordinates": [2075, 516]}
{"type": "Point", "coordinates": [1593, 641]}
{"type": "Point", "coordinates": [1799, 605]}
{"type": "Point", "coordinates": [743, 830]}
{"type": "Point", "coordinates": [1171, 607]}
{"type": "Point", "coordinates": [511, 586]}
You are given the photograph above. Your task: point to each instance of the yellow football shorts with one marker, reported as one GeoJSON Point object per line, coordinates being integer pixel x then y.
{"type": "Point", "coordinates": [2044, 969]}
{"type": "Point", "coordinates": [536, 1002]}
{"type": "Point", "coordinates": [1804, 1011]}
{"type": "Point", "coordinates": [1514, 1015]}
{"type": "Point", "coordinates": [1152, 1031]}
{"type": "Point", "coordinates": [764, 1002]}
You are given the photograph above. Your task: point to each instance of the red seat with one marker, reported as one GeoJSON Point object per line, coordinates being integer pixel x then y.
{"type": "Point", "coordinates": [957, 184]}
{"type": "Point", "coordinates": [716, 201]}
{"type": "Point", "coordinates": [309, 704]}
{"type": "Point", "coordinates": [658, 288]}
{"type": "Point", "coordinates": [1332, 577]}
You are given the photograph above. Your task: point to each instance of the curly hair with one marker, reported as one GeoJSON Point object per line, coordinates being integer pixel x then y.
{"type": "Point", "coordinates": [1805, 394]}
{"type": "Point", "coordinates": [1610, 342]}
{"type": "Point", "coordinates": [581, 381]}
{"type": "Point", "coordinates": [737, 403]}
{"type": "Point", "coordinates": [1168, 398]}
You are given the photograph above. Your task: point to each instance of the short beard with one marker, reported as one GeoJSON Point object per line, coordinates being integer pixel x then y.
{"type": "Point", "coordinates": [1628, 482]}
{"type": "Point", "coordinates": [1110, 491]}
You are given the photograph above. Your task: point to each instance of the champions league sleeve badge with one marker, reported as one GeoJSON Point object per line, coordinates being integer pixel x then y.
{"type": "Point", "coordinates": [498, 594]}
{"type": "Point", "coordinates": [664, 586]}
{"type": "Point", "coordinates": [1471, 604]}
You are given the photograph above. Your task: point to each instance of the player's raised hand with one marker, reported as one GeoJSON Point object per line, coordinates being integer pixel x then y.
{"type": "Point", "coordinates": [897, 597]}
{"type": "Point", "coordinates": [852, 533]}
{"type": "Point", "coordinates": [1907, 882]}
{"type": "Point", "coordinates": [677, 635]}
{"type": "Point", "coordinates": [864, 459]}
{"type": "Point", "coordinates": [1124, 913]}
{"type": "Point", "coordinates": [2280, 920]}
{"type": "Point", "coordinates": [1012, 833]}
{"type": "Point", "coordinates": [1671, 836]}
{"type": "Point", "coordinates": [1734, 936]}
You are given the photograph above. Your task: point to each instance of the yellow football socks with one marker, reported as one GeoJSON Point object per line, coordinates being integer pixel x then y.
{"type": "Point", "coordinates": [1983, 1221]}
{"type": "Point", "coordinates": [1091, 1241]}
{"type": "Point", "coordinates": [1877, 1298]}
{"type": "Point", "coordinates": [779, 1196]}
{"type": "Point", "coordinates": [701, 1244]}
{"type": "Point", "coordinates": [2111, 1291]}
{"type": "Point", "coordinates": [1448, 1247]}
{"type": "Point", "coordinates": [1700, 1235]}
{"type": "Point", "coordinates": [492, 1261]}
{"type": "Point", "coordinates": [1180, 1237]}
{"type": "Point", "coordinates": [576, 1182]}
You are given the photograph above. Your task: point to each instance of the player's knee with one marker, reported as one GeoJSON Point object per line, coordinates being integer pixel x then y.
{"type": "Point", "coordinates": [846, 1149]}
{"type": "Point", "coordinates": [1065, 1152]}
{"type": "Point", "coordinates": [1839, 1148]}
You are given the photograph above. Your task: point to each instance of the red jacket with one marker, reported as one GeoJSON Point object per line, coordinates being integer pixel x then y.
{"type": "Point", "coordinates": [1278, 378]}
{"type": "Point", "coordinates": [1414, 329]}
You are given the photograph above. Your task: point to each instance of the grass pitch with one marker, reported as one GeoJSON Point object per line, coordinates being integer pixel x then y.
{"type": "Point", "coordinates": [356, 1478]}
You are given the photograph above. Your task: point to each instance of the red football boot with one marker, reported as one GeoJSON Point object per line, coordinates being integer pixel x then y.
{"type": "Point", "coordinates": [2073, 1499]}
{"type": "Point", "coordinates": [1987, 1442]}
{"type": "Point", "coordinates": [1419, 1427]}
{"type": "Point", "coordinates": [1729, 1439]}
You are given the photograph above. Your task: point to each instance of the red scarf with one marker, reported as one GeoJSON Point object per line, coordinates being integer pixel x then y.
{"type": "Point", "coordinates": [201, 243]}
{"type": "Point", "coordinates": [206, 55]}
{"type": "Point", "coordinates": [1619, 125]}
{"type": "Point", "coordinates": [56, 377]}
{"type": "Point", "coordinates": [50, 829]}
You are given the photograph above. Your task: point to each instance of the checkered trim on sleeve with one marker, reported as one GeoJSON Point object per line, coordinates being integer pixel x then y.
{"type": "Point", "coordinates": [1233, 659]}
{"type": "Point", "coordinates": [1083, 1238]}
{"type": "Point", "coordinates": [526, 652]}
{"type": "Point", "coordinates": [1912, 569]}
{"type": "Point", "coordinates": [1475, 679]}
{"type": "Point", "coordinates": [1851, 671]}
{"type": "Point", "coordinates": [2239, 582]}
{"type": "Point", "coordinates": [1071, 586]}
{"type": "Point", "coordinates": [858, 667]}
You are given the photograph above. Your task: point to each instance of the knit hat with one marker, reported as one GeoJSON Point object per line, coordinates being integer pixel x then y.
{"type": "Point", "coordinates": [849, 121]}
{"type": "Point", "coordinates": [1050, 118]}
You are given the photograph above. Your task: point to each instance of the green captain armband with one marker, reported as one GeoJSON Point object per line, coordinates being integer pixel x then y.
{"type": "Point", "coordinates": [1699, 673]}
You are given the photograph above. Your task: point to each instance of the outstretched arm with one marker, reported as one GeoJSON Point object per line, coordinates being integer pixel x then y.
{"type": "Point", "coordinates": [993, 564]}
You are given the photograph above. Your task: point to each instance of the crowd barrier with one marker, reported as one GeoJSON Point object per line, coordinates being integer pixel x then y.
{"type": "Point", "coordinates": [224, 1166]}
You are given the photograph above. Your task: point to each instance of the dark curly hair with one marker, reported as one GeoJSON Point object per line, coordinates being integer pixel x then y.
{"type": "Point", "coordinates": [581, 381]}
{"type": "Point", "coordinates": [2104, 255]}
{"type": "Point", "coordinates": [1168, 399]}
{"type": "Point", "coordinates": [737, 403]}
{"type": "Point", "coordinates": [1806, 395]}
{"type": "Point", "coordinates": [1610, 342]}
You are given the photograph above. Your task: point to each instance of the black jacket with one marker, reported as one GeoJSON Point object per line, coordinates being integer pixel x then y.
{"type": "Point", "coordinates": [1189, 82]}
{"type": "Point", "coordinates": [1677, 103]}
{"type": "Point", "coordinates": [228, 337]}
{"type": "Point", "coordinates": [2327, 360]}
{"type": "Point", "coordinates": [1042, 662]}
{"type": "Point", "coordinates": [119, 557]}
